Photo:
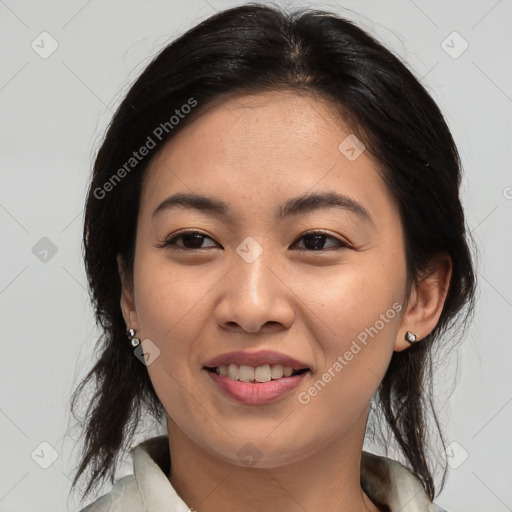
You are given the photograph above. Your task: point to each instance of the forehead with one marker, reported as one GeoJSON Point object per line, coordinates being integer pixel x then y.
{"type": "Point", "coordinates": [244, 126]}
{"type": "Point", "coordinates": [264, 146]}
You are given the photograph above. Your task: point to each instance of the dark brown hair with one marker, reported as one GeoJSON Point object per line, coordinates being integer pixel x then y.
{"type": "Point", "coordinates": [250, 49]}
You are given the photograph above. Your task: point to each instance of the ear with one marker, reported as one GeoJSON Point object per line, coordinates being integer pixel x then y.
{"type": "Point", "coordinates": [127, 300]}
{"type": "Point", "coordinates": [426, 301]}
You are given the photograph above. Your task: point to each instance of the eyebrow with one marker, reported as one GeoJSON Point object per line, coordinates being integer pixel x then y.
{"type": "Point", "coordinates": [292, 207]}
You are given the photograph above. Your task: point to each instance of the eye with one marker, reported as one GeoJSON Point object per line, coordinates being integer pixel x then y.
{"type": "Point", "coordinates": [190, 240]}
{"type": "Point", "coordinates": [314, 241]}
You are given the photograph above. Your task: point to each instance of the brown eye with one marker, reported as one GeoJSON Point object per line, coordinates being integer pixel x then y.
{"type": "Point", "coordinates": [193, 240]}
{"type": "Point", "coordinates": [190, 240]}
{"type": "Point", "coordinates": [315, 241]}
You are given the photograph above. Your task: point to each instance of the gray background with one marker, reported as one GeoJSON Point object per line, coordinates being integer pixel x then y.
{"type": "Point", "coordinates": [53, 113]}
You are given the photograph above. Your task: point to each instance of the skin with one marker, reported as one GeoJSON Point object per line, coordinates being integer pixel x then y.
{"type": "Point", "coordinates": [254, 153]}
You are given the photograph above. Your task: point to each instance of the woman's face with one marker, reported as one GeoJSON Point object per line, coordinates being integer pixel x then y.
{"type": "Point", "coordinates": [254, 280]}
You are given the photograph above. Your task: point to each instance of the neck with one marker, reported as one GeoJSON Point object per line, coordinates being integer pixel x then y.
{"type": "Point", "coordinates": [327, 480]}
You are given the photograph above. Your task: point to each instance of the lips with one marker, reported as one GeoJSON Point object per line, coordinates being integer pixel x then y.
{"type": "Point", "coordinates": [248, 393]}
{"type": "Point", "coordinates": [260, 358]}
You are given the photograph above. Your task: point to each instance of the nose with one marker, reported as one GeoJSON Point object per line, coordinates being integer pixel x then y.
{"type": "Point", "coordinates": [255, 297]}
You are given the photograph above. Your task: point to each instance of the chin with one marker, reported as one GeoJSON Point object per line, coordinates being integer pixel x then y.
{"type": "Point", "coordinates": [260, 454]}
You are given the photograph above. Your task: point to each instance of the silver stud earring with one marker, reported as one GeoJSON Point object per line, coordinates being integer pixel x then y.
{"type": "Point", "coordinates": [131, 336]}
{"type": "Point", "coordinates": [411, 337]}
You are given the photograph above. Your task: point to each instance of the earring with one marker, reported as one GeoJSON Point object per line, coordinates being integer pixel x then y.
{"type": "Point", "coordinates": [131, 336]}
{"type": "Point", "coordinates": [411, 337]}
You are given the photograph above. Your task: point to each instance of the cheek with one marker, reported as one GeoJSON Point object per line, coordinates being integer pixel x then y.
{"type": "Point", "coordinates": [355, 334]}
{"type": "Point", "coordinates": [354, 297]}
{"type": "Point", "coordinates": [168, 305]}
{"type": "Point", "coordinates": [173, 305]}
{"type": "Point", "coordinates": [167, 296]}
{"type": "Point", "coordinates": [356, 314]}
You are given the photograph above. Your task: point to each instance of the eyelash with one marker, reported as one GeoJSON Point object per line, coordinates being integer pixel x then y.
{"type": "Point", "coordinates": [170, 242]}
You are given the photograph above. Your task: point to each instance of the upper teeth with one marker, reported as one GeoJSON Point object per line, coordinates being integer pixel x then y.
{"type": "Point", "coordinates": [259, 373]}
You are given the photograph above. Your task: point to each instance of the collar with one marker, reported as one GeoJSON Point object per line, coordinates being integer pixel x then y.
{"type": "Point", "coordinates": [388, 483]}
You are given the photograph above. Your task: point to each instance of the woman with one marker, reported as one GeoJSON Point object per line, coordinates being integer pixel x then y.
{"type": "Point", "coordinates": [275, 244]}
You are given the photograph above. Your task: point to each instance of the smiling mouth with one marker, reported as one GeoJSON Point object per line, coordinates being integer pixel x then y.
{"type": "Point", "coordinates": [252, 374]}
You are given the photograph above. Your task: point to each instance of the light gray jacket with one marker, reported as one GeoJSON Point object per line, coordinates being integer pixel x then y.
{"type": "Point", "coordinates": [385, 481]}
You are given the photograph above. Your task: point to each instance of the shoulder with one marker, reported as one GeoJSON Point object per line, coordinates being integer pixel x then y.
{"type": "Point", "coordinates": [148, 488]}
{"type": "Point", "coordinates": [436, 508]}
{"type": "Point", "coordinates": [391, 483]}
{"type": "Point", "coordinates": [124, 497]}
